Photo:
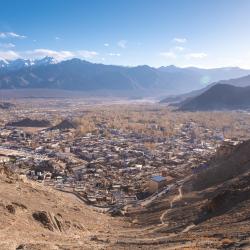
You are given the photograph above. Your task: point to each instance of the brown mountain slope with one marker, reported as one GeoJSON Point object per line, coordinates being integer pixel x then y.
{"type": "Point", "coordinates": [219, 97]}
{"type": "Point", "coordinates": [35, 217]}
{"type": "Point", "coordinates": [224, 168]}
{"type": "Point", "coordinates": [210, 210]}
{"type": "Point", "coordinates": [216, 218]}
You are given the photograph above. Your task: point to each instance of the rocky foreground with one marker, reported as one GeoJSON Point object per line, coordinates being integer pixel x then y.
{"type": "Point", "coordinates": [35, 217]}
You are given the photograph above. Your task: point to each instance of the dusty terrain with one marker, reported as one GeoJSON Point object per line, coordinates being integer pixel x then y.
{"type": "Point", "coordinates": [215, 218]}
{"type": "Point", "coordinates": [209, 210]}
{"type": "Point", "coordinates": [35, 217]}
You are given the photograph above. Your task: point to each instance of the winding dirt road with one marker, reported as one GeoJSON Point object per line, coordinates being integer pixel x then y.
{"type": "Point", "coordinates": [175, 198]}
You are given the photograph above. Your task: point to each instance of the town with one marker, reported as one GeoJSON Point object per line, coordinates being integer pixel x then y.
{"type": "Point", "coordinates": [100, 160]}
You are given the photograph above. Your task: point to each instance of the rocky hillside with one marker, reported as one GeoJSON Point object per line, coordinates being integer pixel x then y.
{"type": "Point", "coordinates": [210, 210]}
{"type": "Point", "coordinates": [224, 168]}
{"type": "Point", "coordinates": [34, 217]}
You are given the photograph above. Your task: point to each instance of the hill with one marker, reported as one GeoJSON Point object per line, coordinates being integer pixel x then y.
{"type": "Point", "coordinates": [201, 211]}
{"type": "Point", "coordinates": [64, 124]}
{"type": "Point", "coordinates": [27, 122]}
{"type": "Point", "coordinates": [76, 74]}
{"type": "Point", "coordinates": [219, 97]}
{"type": "Point", "coordinates": [224, 168]}
{"type": "Point", "coordinates": [238, 82]}
{"type": "Point", "coordinates": [6, 105]}
{"type": "Point", "coordinates": [34, 217]}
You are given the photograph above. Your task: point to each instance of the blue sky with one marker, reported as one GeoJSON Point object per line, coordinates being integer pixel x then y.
{"type": "Point", "coordinates": [201, 33]}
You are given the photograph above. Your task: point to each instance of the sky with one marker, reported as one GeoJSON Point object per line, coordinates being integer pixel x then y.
{"type": "Point", "coordinates": [205, 34]}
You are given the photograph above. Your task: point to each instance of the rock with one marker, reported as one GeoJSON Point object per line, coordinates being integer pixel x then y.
{"type": "Point", "coordinates": [21, 247]}
{"type": "Point", "coordinates": [43, 218]}
{"type": "Point", "coordinates": [135, 221]}
{"type": "Point", "coordinates": [20, 205]}
{"type": "Point", "coordinates": [11, 209]}
{"type": "Point", "coordinates": [93, 238]}
{"type": "Point", "coordinates": [227, 243]}
{"type": "Point", "coordinates": [50, 221]}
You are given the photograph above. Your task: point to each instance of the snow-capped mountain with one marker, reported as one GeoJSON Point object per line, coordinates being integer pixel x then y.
{"type": "Point", "coordinates": [12, 65]}
{"type": "Point", "coordinates": [77, 74]}
{"type": "Point", "coordinates": [3, 63]}
{"type": "Point", "coordinates": [45, 61]}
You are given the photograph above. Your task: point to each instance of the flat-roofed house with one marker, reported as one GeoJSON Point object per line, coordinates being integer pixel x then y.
{"type": "Point", "coordinates": [156, 183]}
{"type": "Point", "coordinates": [79, 171]}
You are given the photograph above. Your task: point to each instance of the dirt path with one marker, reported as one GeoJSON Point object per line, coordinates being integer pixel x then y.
{"type": "Point", "coordinates": [175, 198]}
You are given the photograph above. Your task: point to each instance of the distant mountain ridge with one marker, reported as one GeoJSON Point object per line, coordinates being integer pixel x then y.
{"type": "Point", "coordinates": [238, 82]}
{"type": "Point", "coordinates": [76, 74]}
{"type": "Point", "coordinates": [219, 97]}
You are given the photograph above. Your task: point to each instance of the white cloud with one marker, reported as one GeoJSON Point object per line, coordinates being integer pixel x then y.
{"type": "Point", "coordinates": [9, 55]}
{"type": "Point", "coordinates": [40, 53]}
{"type": "Point", "coordinates": [114, 54]}
{"type": "Point", "coordinates": [57, 38]}
{"type": "Point", "coordinates": [14, 35]}
{"type": "Point", "coordinates": [168, 54]}
{"type": "Point", "coordinates": [7, 45]}
{"type": "Point", "coordinates": [87, 54]}
{"type": "Point", "coordinates": [196, 55]}
{"type": "Point", "coordinates": [58, 55]}
{"type": "Point", "coordinates": [106, 44]}
{"type": "Point", "coordinates": [122, 44]}
{"type": "Point", "coordinates": [11, 35]}
{"type": "Point", "coordinates": [180, 40]}
{"type": "Point", "coordinates": [179, 48]}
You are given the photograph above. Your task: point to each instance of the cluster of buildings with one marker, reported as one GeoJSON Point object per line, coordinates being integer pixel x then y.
{"type": "Point", "coordinates": [105, 170]}
{"type": "Point", "coordinates": [109, 167]}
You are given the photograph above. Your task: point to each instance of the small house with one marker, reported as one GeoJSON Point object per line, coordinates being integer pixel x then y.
{"type": "Point", "coordinates": [156, 183]}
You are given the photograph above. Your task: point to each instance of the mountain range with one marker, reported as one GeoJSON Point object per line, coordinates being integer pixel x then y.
{"type": "Point", "coordinates": [80, 75]}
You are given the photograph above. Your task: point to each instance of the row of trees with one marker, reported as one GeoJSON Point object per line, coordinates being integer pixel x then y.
{"type": "Point", "coordinates": [161, 121]}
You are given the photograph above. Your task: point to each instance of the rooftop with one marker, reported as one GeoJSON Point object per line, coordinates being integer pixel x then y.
{"type": "Point", "coordinates": [158, 178]}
